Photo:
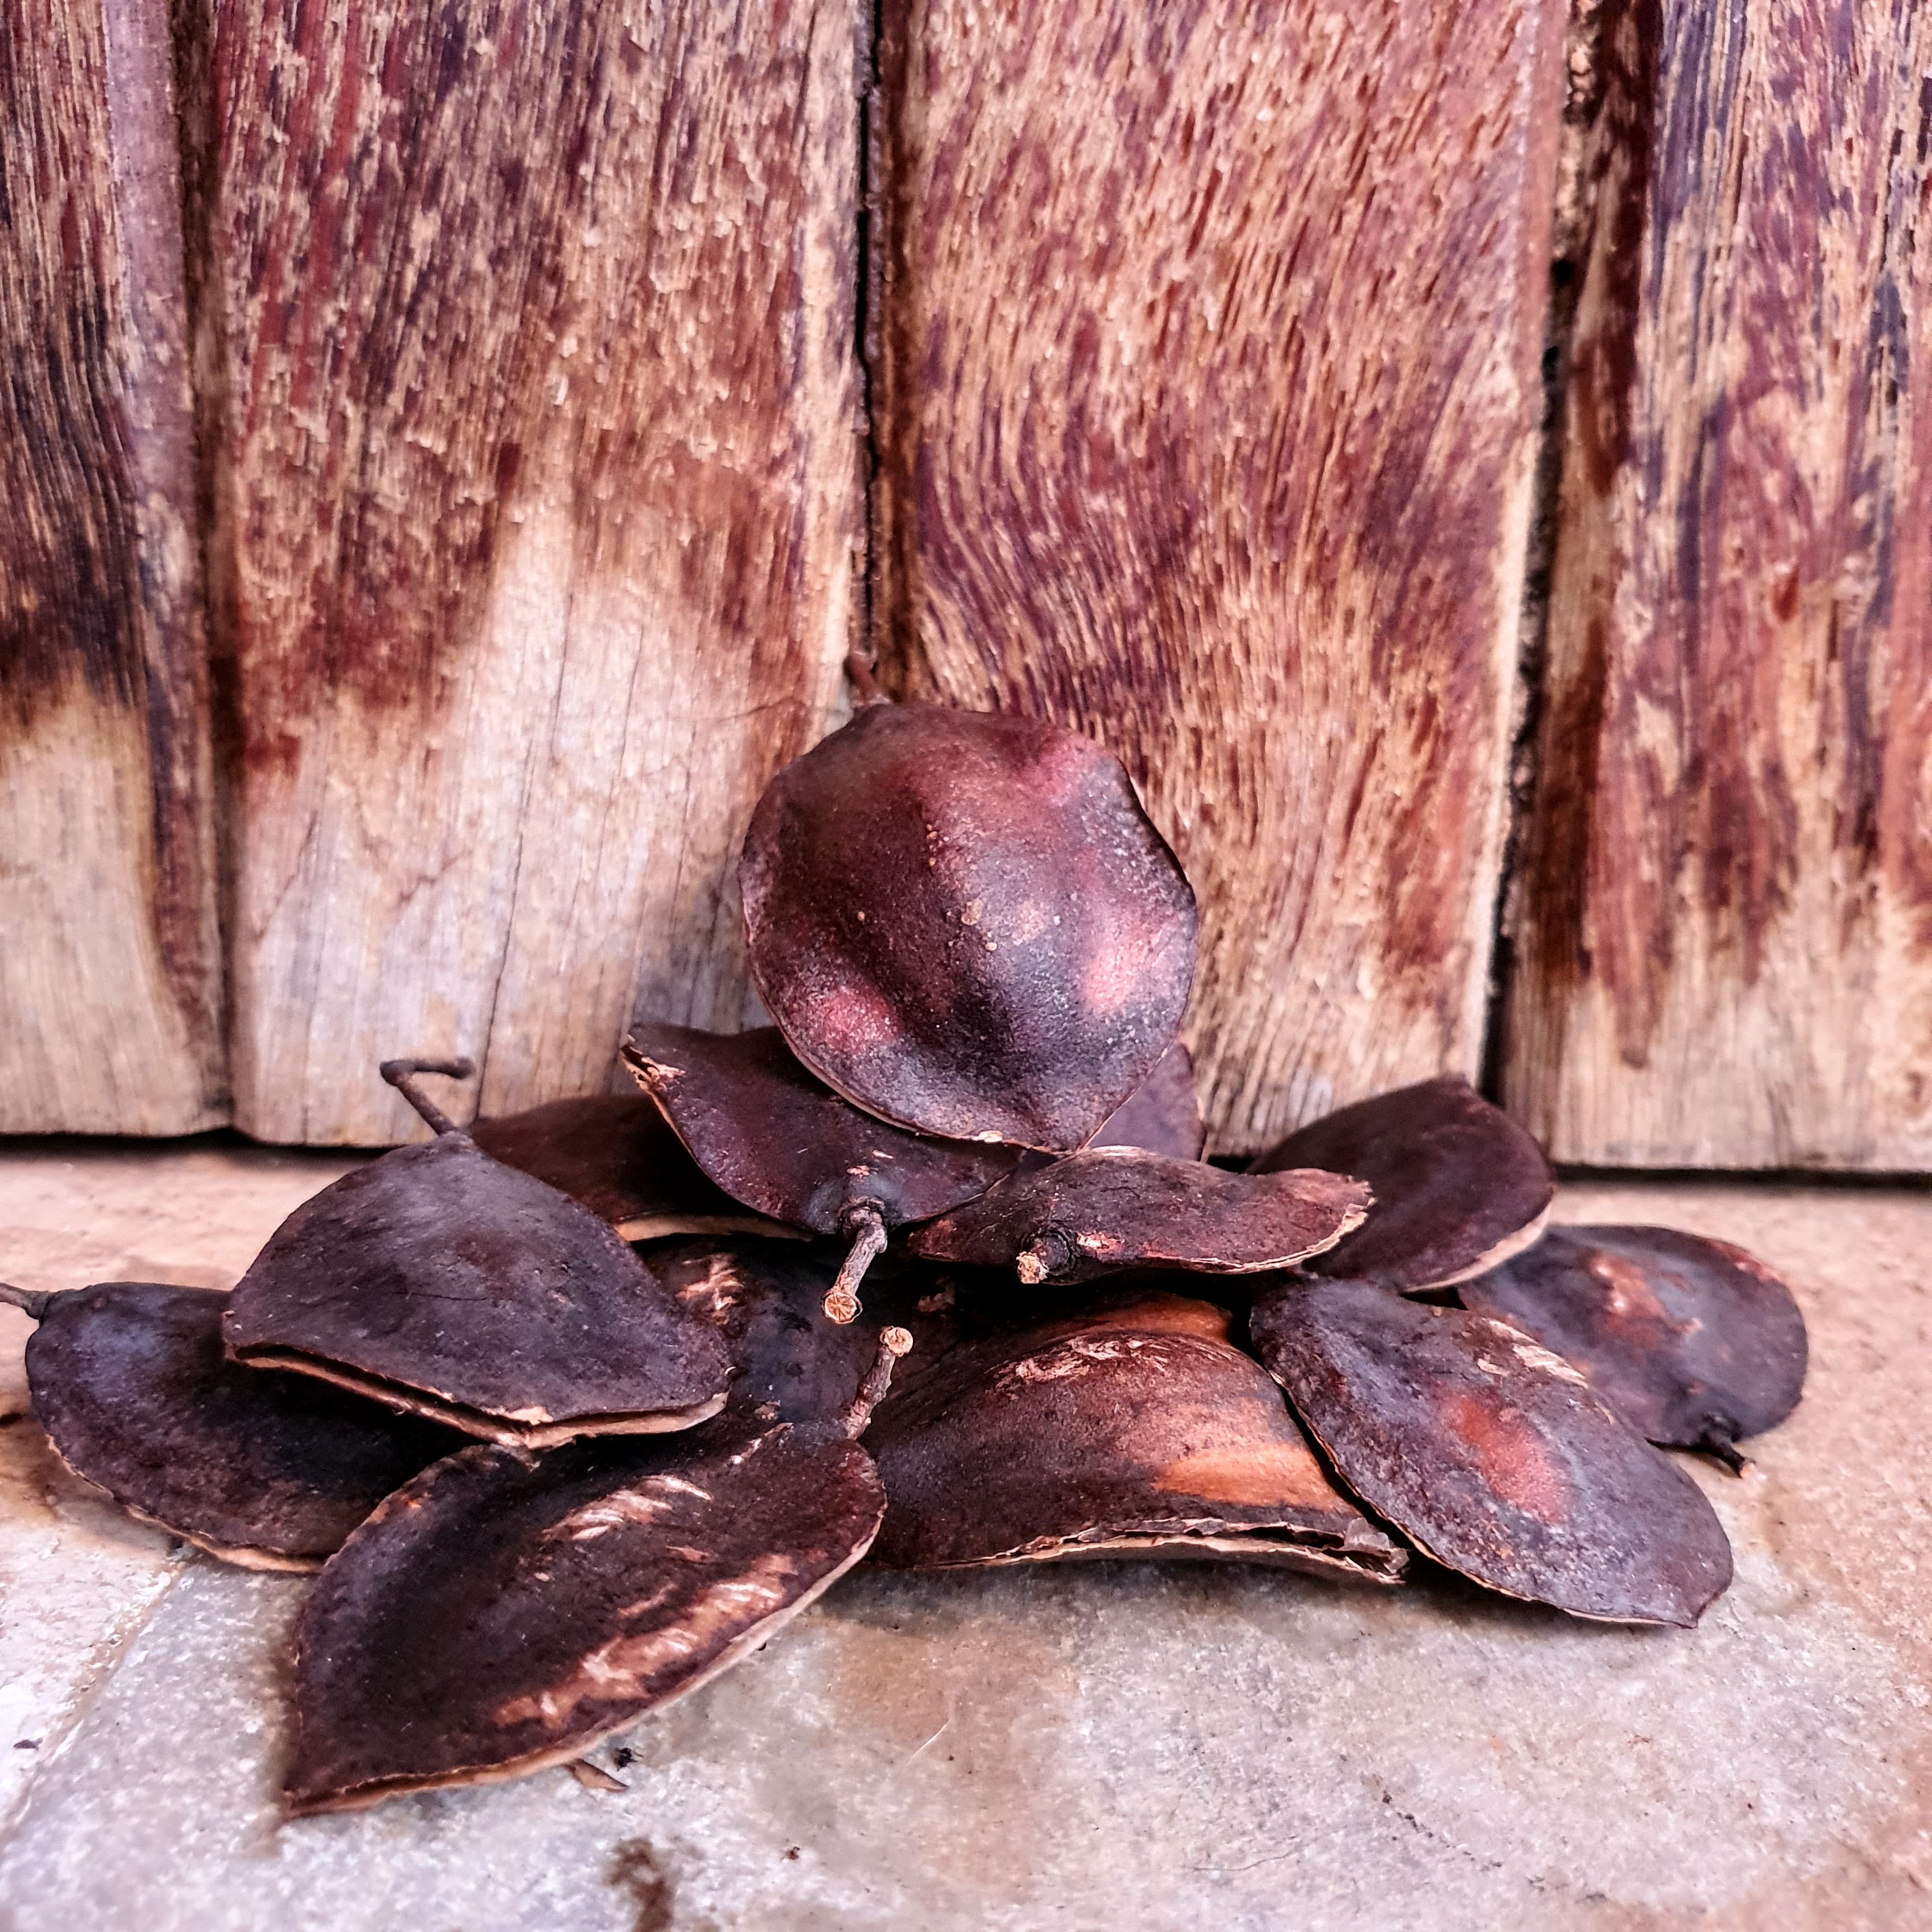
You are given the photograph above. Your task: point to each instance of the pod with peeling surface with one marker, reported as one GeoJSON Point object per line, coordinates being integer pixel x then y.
{"type": "Point", "coordinates": [1458, 1185]}
{"type": "Point", "coordinates": [440, 1280]}
{"type": "Point", "coordinates": [1492, 1455]}
{"type": "Point", "coordinates": [1134, 1429]}
{"type": "Point", "coordinates": [782, 1142]}
{"type": "Point", "coordinates": [271, 1472]}
{"type": "Point", "coordinates": [505, 1611]}
{"type": "Point", "coordinates": [967, 925]}
{"type": "Point", "coordinates": [1696, 1344]}
{"type": "Point", "coordinates": [1110, 1208]}
{"type": "Point", "coordinates": [616, 1154]}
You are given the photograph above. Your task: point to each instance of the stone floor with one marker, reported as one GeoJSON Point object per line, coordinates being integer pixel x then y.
{"type": "Point", "coordinates": [1119, 1747]}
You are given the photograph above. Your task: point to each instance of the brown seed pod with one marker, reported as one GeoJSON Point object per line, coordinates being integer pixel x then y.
{"type": "Point", "coordinates": [1458, 1185]}
{"type": "Point", "coordinates": [1163, 1114]}
{"type": "Point", "coordinates": [1110, 1208]}
{"type": "Point", "coordinates": [783, 1143]}
{"type": "Point", "coordinates": [616, 1155]}
{"type": "Point", "coordinates": [966, 924]}
{"type": "Point", "coordinates": [504, 1611]}
{"type": "Point", "coordinates": [440, 1280]}
{"type": "Point", "coordinates": [271, 1471]}
{"type": "Point", "coordinates": [767, 1299]}
{"type": "Point", "coordinates": [1135, 1428]}
{"type": "Point", "coordinates": [1694, 1343]}
{"type": "Point", "coordinates": [1492, 1455]}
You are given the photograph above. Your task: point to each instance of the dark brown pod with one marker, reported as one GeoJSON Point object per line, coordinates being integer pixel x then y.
{"type": "Point", "coordinates": [1134, 1429]}
{"type": "Point", "coordinates": [1694, 1343]}
{"type": "Point", "coordinates": [1458, 1185]}
{"type": "Point", "coordinates": [616, 1154]}
{"type": "Point", "coordinates": [440, 1280]}
{"type": "Point", "coordinates": [1163, 1114]}
{"type": "Point", "coordinates": [271, 1471]}
{"type": "Point", "coordinates": [967, 924]}
{"type": "Point", "coordinates": [767, 1299]}
{"type": "Point", "coordinates": [1111, 1208]}
{"type": "Point", "coordinates": [784, 1143]}
{"type": "Point", "coordinates": [505, 1611]}
{"type": "Point", "coordinates": [1492, 1455]}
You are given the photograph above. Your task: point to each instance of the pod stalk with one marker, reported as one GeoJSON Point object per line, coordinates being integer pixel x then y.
{"type": "Point", "coordinates": [893, 1342]}
{"type": "Point", "coordinates": [401, 1075]}
{"type": "Point", "coordinates": [867, 1227]}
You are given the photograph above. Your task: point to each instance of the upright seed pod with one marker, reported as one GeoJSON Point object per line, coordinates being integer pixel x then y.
{"type": "Point", "coordinates": [440, 1280]}
{"type": "Point", "coordinates": [1694, 1343]}
{"type": "Point", "coordinates": [967, 925]}
{"type": "Point", "coordinates": [1492, 1455]}
{"type": "Point", "coordinates": [1163, 1114]}
{"type": "Point", "coordinates": [269, 1471]}
{"type": "Point", "coordinates": [783, 1143]}
{"type": "Point", "coordinates": [1458, 1185]}
{"type": "Point", "coordinates": [505, 1612]}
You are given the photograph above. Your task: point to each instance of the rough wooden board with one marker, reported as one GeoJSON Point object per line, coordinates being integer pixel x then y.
{"type": "Point", "coordinates": [525, 332]}
{"type": "Point", "coordinates": [1726, 955]}
{"type": "Point", "coordinates": [109, 973]}
{"type": "Point", "coordinates": [1206, 370]}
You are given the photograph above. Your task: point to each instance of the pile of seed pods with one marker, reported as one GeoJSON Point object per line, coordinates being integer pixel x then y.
{"type": "Point", "coordinates": [572, 1410]}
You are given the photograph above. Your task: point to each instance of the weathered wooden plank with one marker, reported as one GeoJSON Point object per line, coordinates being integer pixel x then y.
{"type": "Point", "coordinates": [1206, 372]}
{"type": "Point", "coordinates": [110, 968]}
{"type": "Point", "coordinates": [1726, 925]}
{"type": "Point", "coordinates": [527, 334]}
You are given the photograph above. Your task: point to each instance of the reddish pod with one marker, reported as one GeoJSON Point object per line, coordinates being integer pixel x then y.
{"type": "Point", "coordinates": [775, 1139]}
{"type": "Point", "coordinates": [1163, 1114]}
{"type": "Point", "coordinates": [966, 924]}
{"type": "Point", "coordinates": [1458, 1185]}
{"type": "Point", "coordinates": [271, 1471]}
{"type": "Point", "coordinates": [1492, 1455]}
{"type": "Point", "coordinates": [440, 1280]}
{"type": "Point", "coordinates": [1110, 1208]}
{"type": "Point", "coordinates": [616, 1154]}
{"type": "Point", "coordinates": [505, 1612]}
{"type": "Point", "coordinates": [1132, 1429]}
{"type": "Point", "coordinates": [1696, 1344]}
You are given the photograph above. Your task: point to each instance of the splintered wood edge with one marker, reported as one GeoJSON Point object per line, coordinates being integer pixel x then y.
{"type": "Point", "coordinates": [360, 1797]}
{"type": "Point", "coordinates": [478, 1423]}
{"type": "Point", "coordinates": [1508, 1248]}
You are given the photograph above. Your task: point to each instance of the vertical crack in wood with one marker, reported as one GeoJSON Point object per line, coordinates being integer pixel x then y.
{"type": "Point", "coordinates": [1573, 217]}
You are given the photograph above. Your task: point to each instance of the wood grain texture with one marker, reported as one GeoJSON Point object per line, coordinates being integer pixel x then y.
{"type": "Point", "coordinates": [109, 972]}
{"type": "Point", "coordinates": [526, 334]}
{"type": "Point", "coordinates": [1207, 346]}
{"type": "Point", "coordinates": [1726, 941]}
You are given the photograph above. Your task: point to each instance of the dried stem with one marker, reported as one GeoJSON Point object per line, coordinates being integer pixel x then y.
{"type": "Point", "coordinates": [1050, 1252]}
{"type": "Point", "coordinates": [859, 667]}
{"type": "Point", "coordinates": [867, 1227]}
{"type": "Point", "coordinates": [1717, 1444]}
{"type": "Point", "coordinates": [401, 1074]}
{"type": "Point", "coordinates": [893, 1342]}
{"type": "Point", "coordinates": [33, 1301]}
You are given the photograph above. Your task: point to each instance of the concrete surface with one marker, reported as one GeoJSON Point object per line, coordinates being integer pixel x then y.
{"type": "Point", "coordinates": [1117, 1747]}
